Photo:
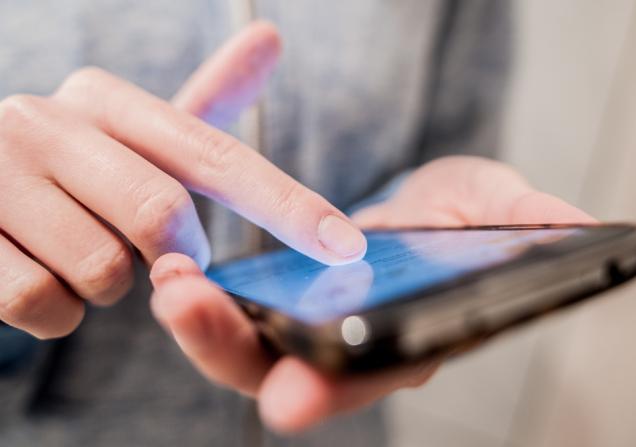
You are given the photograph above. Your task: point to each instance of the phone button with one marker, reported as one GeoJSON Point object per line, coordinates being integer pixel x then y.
{"type": "Point", "coordinates": [355, 330]}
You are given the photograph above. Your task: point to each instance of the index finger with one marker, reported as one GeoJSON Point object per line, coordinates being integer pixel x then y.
{"type": "Point", "coordinates": [211, 162]}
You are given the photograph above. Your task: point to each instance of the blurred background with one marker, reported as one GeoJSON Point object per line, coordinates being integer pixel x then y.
{"type": "Point", "coordinates": [571, 129]}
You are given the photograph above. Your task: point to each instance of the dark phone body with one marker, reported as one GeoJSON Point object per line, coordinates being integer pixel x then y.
{"type": "Point", "coordinates": [456, 314]}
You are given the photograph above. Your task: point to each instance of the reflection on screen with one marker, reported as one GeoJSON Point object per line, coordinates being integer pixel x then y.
{"type": "Point", "coordinates": [396, 265]}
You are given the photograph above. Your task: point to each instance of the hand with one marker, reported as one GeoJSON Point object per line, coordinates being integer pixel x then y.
{"type": "Point", "coordinates": [102, 164]}
{"type": "Point", "coordinates": [292, 395]}
{"type": "Point", "coordinates": [461, 190]}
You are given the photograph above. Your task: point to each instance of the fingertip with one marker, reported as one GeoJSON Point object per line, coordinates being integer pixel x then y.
{"type": "Point", "coordinates": [342, 241]}
{"type": "Point", "coordinates": [267, 30]}
{"type": "Point", "coordinates": [535, 207]}
{"type": "Point", "coordinates": [233, 77]}
{"type": "Point", "coordinates": [264, 46]}
{"type": "Point", "coordinates": [203, 256]}
{"type": "Point", "coordinates": [293, 397]}
{"type": "Point", "coordinates": [173, 265]}
{"type": "Point", "coordinates": [177, 297]}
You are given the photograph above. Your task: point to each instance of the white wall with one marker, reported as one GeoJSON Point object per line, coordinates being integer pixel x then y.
{"type": "Point", "coordinates": [570, 57]}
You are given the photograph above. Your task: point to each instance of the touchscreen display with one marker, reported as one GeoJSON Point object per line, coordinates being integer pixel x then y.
{"type": "Point", "coordinates": [397, 264]}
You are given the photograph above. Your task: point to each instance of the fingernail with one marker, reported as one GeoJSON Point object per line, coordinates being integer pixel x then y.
{"type": "Point", "coordinates": [159, 276]}
{"type": "Point", "coordinates": [340, 237]}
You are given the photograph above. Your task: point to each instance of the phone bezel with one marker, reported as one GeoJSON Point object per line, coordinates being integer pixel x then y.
{"type": "Point", "coordinates": [452, 316]}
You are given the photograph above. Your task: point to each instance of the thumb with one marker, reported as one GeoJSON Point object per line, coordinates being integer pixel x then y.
{"type": "Point", "coordinates": [232, 78]}
{"type": "Point", "coordinates": [173, 265]}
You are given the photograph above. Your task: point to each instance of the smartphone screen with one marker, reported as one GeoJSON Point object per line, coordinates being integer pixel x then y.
{"type": "Point", "coordinates": [398, 264]}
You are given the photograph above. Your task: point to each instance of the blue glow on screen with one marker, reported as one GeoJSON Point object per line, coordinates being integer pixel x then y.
{"type": "Point", "coordinates": [397, 264]}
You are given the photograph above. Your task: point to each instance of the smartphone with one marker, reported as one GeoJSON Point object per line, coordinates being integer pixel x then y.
{"type": "Point", "coordinates": [424, 293]}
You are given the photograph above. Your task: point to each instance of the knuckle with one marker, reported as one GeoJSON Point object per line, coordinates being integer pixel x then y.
{"type": "Point", "coordinates": [23, 301]}
{"type": "Point", "coordinates": [160, 213]}
{"type": "Point", "coordinates": [84, 86]}
{"type": "Point", "coordinates": [288, 200]}
{"type": "Point", "coordinates": [106, 269]}
{"type": "Point", "coordinates": [18, 112]}
{"type": "Point", "coordinates": [216, 151]}
{"type": "Point", "coordinates": [83, 78]}
{"type": "Point", "coordinates": [89, 89]}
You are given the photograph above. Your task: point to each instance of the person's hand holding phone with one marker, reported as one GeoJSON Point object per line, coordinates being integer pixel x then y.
{"type": "Point", "coordinates": [464, 190]}
{"type": "Point", "coordinates": [292, 395]}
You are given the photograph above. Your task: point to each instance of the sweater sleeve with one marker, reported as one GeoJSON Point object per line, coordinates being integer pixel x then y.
{"type": "Point", "coordinates": [466, 92]}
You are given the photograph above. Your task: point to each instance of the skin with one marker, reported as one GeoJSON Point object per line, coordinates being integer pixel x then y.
{"type": "Point", "coordinates": [293, 396]}
{"type": "Point", "coordinates": [102, 166]}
